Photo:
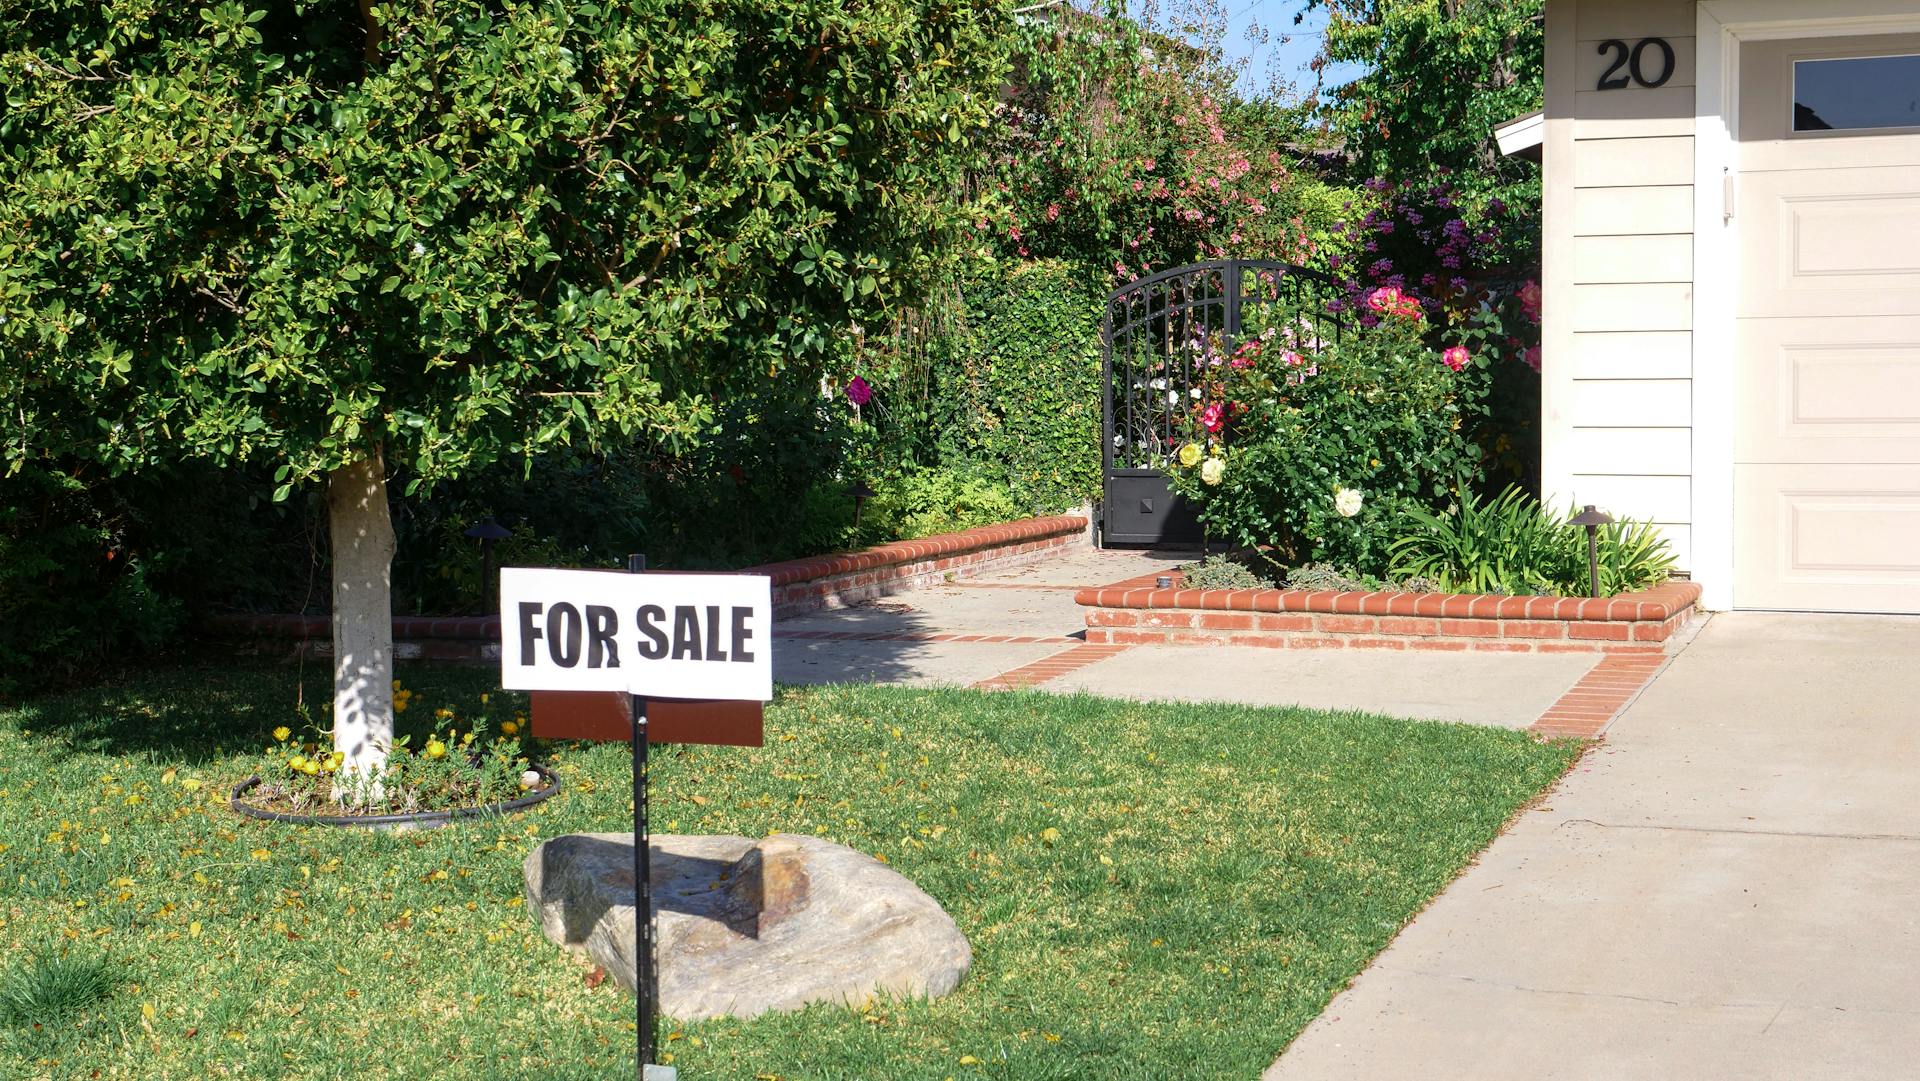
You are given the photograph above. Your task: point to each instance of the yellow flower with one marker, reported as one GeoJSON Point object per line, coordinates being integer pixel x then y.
{"type": "Point", "coordinates": [443, 713]}
{"type": "Point", "coordinates": [400, 705]}
{"type": "Point", "coordinates": [436, 749]}
{"type": "Point", "coordinates": [508, 728]}
{"type": "Point", "coordinates": [312, 767]}
{"type": "Point", "coordinates": [468, 738]}
{"type": "Point", "coordinates": [1190, 455]}
{"type": "Point", "coordinates": [298, 761]}
{"type": "Point", "coordinates": [483, 699]}
{"type": "Point", "coordinates": [281, 733]}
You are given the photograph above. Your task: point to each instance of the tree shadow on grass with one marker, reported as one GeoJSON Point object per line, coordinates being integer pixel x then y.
{"type": "Point", "coordinates": [208, 705]}
{"type": "Point", "coordinates": [205, 708]}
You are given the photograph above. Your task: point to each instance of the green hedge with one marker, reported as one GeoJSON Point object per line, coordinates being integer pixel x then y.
{"type": "Point", "coordinates": [1019, 387]}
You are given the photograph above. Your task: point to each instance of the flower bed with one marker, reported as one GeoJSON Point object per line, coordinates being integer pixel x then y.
{"type": "Point", "coordinates": [799, 586]}
{"type": "Point", "coordinates": [1137, 612]}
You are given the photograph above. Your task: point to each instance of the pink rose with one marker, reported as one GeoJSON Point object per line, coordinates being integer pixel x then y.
{"type": "Point", "coordinates": [859, 391]}
{"type": "Point", "coordinates": [1530, 300]}
{"type": "Point", "coordinates": [1455, 357]}
{"type": "Point", "coordinates": [1532, 357]}
{"type": "Point", "coordinates": [1384, 299]}
{"type": "Point", "coordinates": [1213, 417]}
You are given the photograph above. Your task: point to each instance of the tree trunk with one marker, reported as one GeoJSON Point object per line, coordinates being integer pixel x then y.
{"type": "Point", "coordinates": [362, 533]}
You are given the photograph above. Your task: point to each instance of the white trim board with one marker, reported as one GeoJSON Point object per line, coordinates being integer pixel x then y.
{"type": "Point", "coordinates": [1522, 135]}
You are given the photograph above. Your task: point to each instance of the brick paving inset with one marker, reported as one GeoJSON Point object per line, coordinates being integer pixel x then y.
{"type": "Point", "coordinates": [1585, 711]}
{"type": "Point", "coordinates": [1050, 667]}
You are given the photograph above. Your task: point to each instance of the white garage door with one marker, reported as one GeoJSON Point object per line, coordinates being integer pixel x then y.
{"type": "Point", "coordinates": [1827, 445]}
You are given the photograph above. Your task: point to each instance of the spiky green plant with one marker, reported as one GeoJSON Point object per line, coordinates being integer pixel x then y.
{"type": "Point", "coordinates": [1513, 544]}
{"type": "Point", "coordinates": [47, 986]}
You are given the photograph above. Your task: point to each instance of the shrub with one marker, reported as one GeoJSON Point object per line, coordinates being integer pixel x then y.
{"type": "Point", "coordinates": [1473, 266]}
{"type": "Point", "coordinates": [1316, 446]}
{"type": "Point", "coordinates": [1513, 544]}
{"type": "Point", "coordinates": [1017, 394]}
{"type": "Point", "coordinates": [74, 583]}
{"type": "Point", "coordinates": [919, 502]}
{"type": "Point", "coordinates": [1322, 576]}
{"type": "Point", "coordinates": [1222, 572]}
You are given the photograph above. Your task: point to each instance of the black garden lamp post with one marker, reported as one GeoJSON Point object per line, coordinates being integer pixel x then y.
{"type": "Point", "coordinates": [488, 531]}
{"type": "Point", "coordinates": [862, 491]}
{"type": "Point", "coordinates": [1592, 519]}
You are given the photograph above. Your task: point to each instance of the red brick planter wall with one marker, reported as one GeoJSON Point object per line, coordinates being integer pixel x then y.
{"type": "Point", "coordinates": [806, 585]}
{"type": "Point", "coordinates": [1137, 613]}
{"type": "Point", "coordinates": [799, 586]}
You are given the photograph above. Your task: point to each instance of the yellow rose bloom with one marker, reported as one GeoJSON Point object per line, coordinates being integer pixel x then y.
{"type": "Point", "coordinates": [1190, 455]}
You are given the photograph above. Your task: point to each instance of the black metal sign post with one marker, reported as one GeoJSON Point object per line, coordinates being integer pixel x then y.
{"type": "Point", "coordinates": [645, 988]}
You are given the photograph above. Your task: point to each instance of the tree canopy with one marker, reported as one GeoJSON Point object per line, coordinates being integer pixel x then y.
{"type": "Point", "coordinates": [1437, 77]}
{"type": "Point", "coordinates": [455, 229]}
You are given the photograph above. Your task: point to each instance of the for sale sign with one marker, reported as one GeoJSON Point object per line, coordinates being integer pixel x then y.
{"type": "Point", "coordinates": [661, 635]}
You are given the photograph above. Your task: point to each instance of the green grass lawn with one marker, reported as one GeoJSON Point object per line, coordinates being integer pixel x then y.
{"type": "Point", "coordinates": [1151, 891]}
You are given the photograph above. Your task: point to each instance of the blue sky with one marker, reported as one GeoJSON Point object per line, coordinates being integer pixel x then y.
{"type": "Point", "coordinates": [1288, 48]}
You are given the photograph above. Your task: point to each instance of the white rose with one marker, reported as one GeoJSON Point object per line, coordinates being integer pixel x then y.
{"type": "Point", "coordinates": [1347, 501]}
{"type": "Point", "coordinates": [1212, 470]}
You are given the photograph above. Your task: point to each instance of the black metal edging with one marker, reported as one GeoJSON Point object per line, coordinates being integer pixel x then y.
{"type": "Point", "coordinates": [413, 818]}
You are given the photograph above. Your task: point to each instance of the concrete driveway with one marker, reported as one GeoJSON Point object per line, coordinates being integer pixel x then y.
{"type": "Point", "coordinates": [1728, 888]}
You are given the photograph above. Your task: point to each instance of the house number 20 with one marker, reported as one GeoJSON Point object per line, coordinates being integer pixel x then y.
{"type": "Point", "coordinates": [1634, 61]}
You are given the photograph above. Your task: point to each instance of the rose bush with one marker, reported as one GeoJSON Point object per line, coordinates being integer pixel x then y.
{"type": "Point", "coordinates": [1314, 441]}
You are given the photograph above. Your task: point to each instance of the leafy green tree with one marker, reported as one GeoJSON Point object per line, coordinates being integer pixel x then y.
{"type": "Point", "coordinates": [348, 237]}
{"type": "Point", "coordinates": [1438, 75]}
{"type": "Point", "coordinates": [1128, 148]}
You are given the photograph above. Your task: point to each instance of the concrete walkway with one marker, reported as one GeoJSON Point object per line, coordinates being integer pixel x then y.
{"type": "Point", "coordinates": [1725, 889]}
{"type": "Point", "coordinates": [1020, 627]}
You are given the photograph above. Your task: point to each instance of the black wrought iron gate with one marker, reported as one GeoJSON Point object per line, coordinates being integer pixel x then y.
{"type": "Point", "coordinates": [1157, 332]}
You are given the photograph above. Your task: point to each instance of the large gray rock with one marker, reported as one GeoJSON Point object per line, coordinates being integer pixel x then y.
{"type": "Point", "coordinates": [749, 926]}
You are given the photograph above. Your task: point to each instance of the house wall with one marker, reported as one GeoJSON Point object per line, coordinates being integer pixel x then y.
{"type": "Point", "coordinates": [1618, 274]}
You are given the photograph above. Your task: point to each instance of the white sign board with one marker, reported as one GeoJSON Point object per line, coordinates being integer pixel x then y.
{"type": "Point", "coordinates": [661, 635]}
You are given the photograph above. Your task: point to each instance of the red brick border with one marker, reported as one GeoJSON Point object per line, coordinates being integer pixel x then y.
{"type": "Point", "coordinates": [808, 585]}
{"type": "Point", "coordinates": [1137, 612]}
{"type": "Point", "coordinates": [1585, 711]}
{"type": "Point", "coordinates": [1051, 667]}
{"type": "Point", "coordinates": [800, 586]}
{"type": "Point", "coordinates": [929, 636]}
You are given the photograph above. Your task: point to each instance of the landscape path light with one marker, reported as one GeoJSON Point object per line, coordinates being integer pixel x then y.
{"type": "Point", "coordinates": [1592, 519]}
{"type": "Point", "coordinates": [861, 491]}
{"type": "Point", "coordinates": [488, 531]}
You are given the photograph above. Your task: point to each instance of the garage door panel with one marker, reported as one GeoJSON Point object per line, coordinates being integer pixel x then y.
{"type": "Point", "coordinates": [1831, 243]}
{"type": "Point", "coordinates": [1827, 378]}
{"type": "Point", "coordinates": [1827, 537]}
{"type": "Point", "coordinates": [1822, 390]}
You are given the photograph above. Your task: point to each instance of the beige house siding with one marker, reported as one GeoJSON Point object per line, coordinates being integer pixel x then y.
{"type": "Point", "coordinates": [1618, 275]}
